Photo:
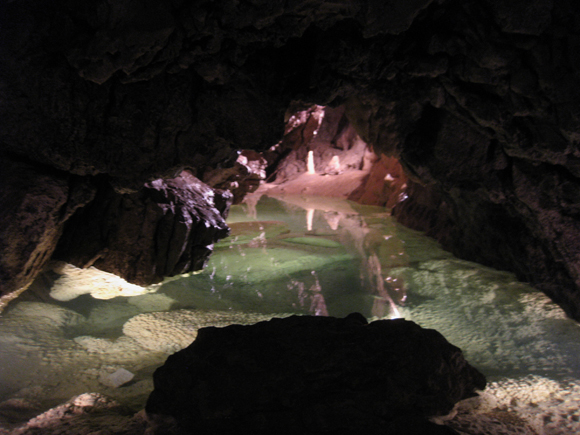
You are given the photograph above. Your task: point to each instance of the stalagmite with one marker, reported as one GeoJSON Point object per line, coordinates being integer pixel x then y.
{"type": "Point", "coordinates": [310, 163]}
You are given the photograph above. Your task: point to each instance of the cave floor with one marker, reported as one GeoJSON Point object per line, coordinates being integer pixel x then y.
{"type": "Point", "coordinates": [298, 255]}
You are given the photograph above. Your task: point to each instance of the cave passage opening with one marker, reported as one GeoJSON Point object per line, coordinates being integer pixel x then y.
{"type": "Point", "coordinates": [318, 239]}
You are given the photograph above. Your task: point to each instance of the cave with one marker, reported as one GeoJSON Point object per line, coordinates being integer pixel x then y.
{"type": "Point", "coordinates": [129, 130]}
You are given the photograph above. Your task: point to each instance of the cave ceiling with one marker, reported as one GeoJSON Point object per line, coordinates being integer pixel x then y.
{"type": "Point", "coordinates": [478, 100]}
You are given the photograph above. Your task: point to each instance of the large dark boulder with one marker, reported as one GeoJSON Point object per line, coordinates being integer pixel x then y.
{"type": "Point", "coordinates": [313, 375]}
{"type": "Point", "coordinates": [165, 229]}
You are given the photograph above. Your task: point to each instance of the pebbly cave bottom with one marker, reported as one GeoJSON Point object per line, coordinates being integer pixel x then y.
{"type": "Point", "coordinates": [292, 375]}
{"type": "Point", "coordinates": [301, 255]}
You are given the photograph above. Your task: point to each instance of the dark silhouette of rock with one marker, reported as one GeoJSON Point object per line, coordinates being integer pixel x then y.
{"type": "Point", "coordinates": [165, 229]}
{"type": "Point", "coordinates": [309, 375]}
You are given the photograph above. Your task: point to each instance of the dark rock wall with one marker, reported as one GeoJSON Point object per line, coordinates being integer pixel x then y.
{"type": "Point", "coordinates": [35, 202]}
{"type": "Point", "coordinates": [479, 100]}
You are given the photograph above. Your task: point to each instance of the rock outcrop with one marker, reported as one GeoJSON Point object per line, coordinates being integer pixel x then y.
{"type": "Point", "coordinates": [35, 202]}
{"type": "Point", "coordinates": [84, 414]}
{"type": "Point", "coordinates": [242, 178]}
{"type": "Point", "coordinates": [350, 168]}
{"type": "Point", "coordinates": [478, 101]}
{"type": "Point", "coordinates": [167, 228]}
{"type": "Point", "coordinates": [310, 375]}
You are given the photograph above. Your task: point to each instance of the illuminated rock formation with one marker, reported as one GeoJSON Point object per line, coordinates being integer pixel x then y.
{"type": "Point", "coordinates": [167, 228]}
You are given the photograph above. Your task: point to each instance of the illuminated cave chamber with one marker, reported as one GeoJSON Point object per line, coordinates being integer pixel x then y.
{"type": "Point", "coordinates": [477, 101]}
{"type": "Point", "coordinates": [321, 154]}
{"type": "Point", "coordinates": [102, 109]}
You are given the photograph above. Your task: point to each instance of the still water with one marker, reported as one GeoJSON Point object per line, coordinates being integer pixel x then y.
{"type": "Point", "coordinates": [71, 331]}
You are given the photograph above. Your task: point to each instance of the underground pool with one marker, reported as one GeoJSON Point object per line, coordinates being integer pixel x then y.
{"type": "Point", "coordinates": [74, 331]}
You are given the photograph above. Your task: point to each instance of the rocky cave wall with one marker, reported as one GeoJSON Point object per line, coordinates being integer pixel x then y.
{"type": "Point", "coordinates": [478, 100]}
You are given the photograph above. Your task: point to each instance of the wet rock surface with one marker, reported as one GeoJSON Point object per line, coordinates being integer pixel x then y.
{"type": "Point", "coordinates": [306, 374]}
{"type": "Point", "coordinates": [349, 167]}
{"type": "Point", "coordinates": [83, 414]}
{"type": "Point", "coordinates": [478, 100]}
{"type": "Point", "coordinates": [242, 178]}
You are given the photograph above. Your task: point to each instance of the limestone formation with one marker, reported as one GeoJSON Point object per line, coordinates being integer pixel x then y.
{"type": "Point", "coordinates": [242, 178]}
{"type": "Point", "coordinates": [310, 375]}
{"type": "Point", "coordinates": [83, 414]}
{"type": "Point", "coordinates": [172, 331]}
{"type": "Point", "coordinates": [74, 282]}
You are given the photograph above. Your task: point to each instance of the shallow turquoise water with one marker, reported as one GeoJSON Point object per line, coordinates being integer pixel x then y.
{"type": "Point", "coordinates": [357, 258]}
{"type": "Point", "coordinates": [293, 255]}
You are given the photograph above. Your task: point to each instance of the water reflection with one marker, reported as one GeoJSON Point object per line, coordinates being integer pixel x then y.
{"type": "Point", "coordinates": [328, 257]}
{"type": "Point", "coordinates": [291, 255]}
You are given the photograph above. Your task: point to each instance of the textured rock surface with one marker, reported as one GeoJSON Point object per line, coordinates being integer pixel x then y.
{"type": "Point", "coordinates": [167, 228]}
{"type": "Point", "coordinates": [312, 375]}
{"type": "Point", "coordinates": [242, 178]}
{"type": "Point", "coordinates": [349, 168]}
{"type": "Point", "coordinates": [34, 204]}
{"type": "Point", "coordinates": [83, 414]}
{"type": "Point", "coordinates": [478, 100]}
{"type": "Point", "coordinates": [172, 331]}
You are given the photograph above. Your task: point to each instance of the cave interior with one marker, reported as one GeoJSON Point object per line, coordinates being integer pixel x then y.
{"type": "Point", "coordinates": [128, 129]}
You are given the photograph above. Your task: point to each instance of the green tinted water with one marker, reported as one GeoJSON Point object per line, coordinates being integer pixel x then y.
{"type": "Point", "coordinates": [297, 255]}
{"type": "Point", "coordinates": [357, 258]}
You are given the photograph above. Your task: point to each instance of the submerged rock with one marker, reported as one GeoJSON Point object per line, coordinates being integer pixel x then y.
{"type": "Point", "coordinates": [74, 281]}
{"type": "Point", "coordinates": [174, 330]}
{"type": "Point", "coordinates": [308, 375]}
{"type": "Point", "coordinates": [116, 379]}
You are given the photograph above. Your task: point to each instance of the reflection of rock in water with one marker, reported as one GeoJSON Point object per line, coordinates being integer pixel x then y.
{"type": "Point", "coordinates": [246, 232]}
{"type": "Point", "coordinates": [379, 253]}
{"type": "Point", "coordinates": [311, 299]}
{"type": "Point", "coordinates": [384, 305]}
